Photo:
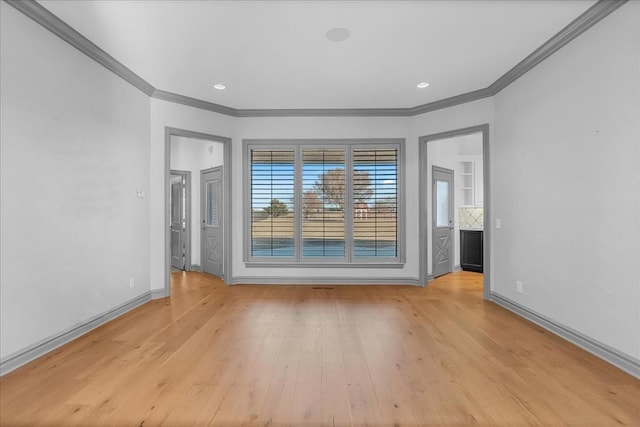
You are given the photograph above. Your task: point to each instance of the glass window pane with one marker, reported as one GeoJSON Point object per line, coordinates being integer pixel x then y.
{"type": "Point", "coordinates": [442, 203]}
{"type": "Point", "coordinates": [175, 207]}
{"type": "Point", "coordinates": [212, 194]}
{"type": "Point", "coordinates": [272, 215]}
{"type": "Point", "coordinates": [323, 201]}
{"type": "Point", "coordinates": [375, 202]}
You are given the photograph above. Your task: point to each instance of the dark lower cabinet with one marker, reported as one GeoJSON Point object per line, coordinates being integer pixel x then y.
{"type": "Point", "coordinates": [471, 250]}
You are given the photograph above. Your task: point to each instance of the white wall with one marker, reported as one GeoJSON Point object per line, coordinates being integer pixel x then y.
{"type": "Point", "coordinates": [75, 149]}
{"type": "Point", "coordinates": [194, 155]}
{"type": "Point", "coordinates": [566, 173]}
{"type": "Point", "coordinates": [167, 114]}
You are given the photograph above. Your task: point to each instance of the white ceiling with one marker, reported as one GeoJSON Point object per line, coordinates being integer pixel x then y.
{"type": "Point", "coordinates": [274, 54]}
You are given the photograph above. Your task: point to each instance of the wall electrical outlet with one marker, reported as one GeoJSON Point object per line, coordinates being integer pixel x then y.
{"type": "Point", "coordinates": [519, 288]}
{"type": "Point", "coordinates": [132, 283]}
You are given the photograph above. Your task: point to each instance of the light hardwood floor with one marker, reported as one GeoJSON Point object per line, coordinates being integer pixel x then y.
{"type": "Point", "coordinates": [323, 355]}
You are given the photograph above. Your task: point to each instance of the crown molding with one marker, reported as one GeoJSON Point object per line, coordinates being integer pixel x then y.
{"type": "Point", "coordinates": [48, 20]}
{"type": "Point", "coordinates": [582, 23]}
{"type": "Point", "coordinates": [193, 102]}
{"type": "Point", "coordinates": [325, 112]}
{"type": "Point", "coordinates": [451, 101]}
{"type": "Point", "coordinates": [57, 26]}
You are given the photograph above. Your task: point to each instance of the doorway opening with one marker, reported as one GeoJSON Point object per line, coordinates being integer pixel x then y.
{"type": "Point", "coordinates": [190, 154]}
{"type": "Point", "coordinates": [454, 204]}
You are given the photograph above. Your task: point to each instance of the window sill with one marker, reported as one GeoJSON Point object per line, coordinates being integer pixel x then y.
{"type": "Point", "coordinates": [373, 264]}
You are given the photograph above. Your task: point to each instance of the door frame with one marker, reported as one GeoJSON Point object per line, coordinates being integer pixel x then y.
{"type": "Point", "coordinates": [186, 175]}
{"type": "Point", "coordinates": [224, 219]}
{"type": "Point", "coordinates": [226, 161]}
{"type": "Point", "coordinates": [452, 206]}
{"type": "Point", "coordinates": [424, 185]}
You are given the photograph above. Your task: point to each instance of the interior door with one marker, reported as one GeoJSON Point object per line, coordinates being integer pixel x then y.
{"type": "Point", "coordinates": [177, 222]}
{"type": "Point", "coordinates": [442, 229]}
{"type": "Point", "coordinates": [212, 236]}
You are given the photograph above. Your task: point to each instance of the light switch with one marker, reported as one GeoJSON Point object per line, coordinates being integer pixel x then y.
{"type": "Point", "coordinates": [140, 194]}
{"type": "Point", "coordinates": [498, 223]}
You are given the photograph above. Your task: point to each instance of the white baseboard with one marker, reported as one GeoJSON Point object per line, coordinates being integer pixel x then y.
{"type": "Point", "coordinates": [618, 359]}
{"type": "Point", "coordinates": [26, 355]}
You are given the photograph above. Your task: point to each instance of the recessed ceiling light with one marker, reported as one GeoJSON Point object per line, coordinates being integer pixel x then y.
{"type": "Point", "coordinates": [219, 86]}
{"type": "Point", "coordinates": [338, 34]}
{"type": "Point", "coordinates": [423, 85]}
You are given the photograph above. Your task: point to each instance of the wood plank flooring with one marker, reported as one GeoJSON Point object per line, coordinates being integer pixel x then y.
{"type": "Point", "coordinates": [319, 356]}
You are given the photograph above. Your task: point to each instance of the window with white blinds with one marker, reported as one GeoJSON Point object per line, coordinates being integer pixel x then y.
{"type": "Point", "coordinates": [324, 202]}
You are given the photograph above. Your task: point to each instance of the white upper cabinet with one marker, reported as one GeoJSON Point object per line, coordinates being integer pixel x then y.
{"type": "Point", "coordinates": [470, 182]}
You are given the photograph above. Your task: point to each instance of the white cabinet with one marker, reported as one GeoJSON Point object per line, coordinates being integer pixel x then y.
{"type": "Point", "coordinates": [470, 184]}
{"type": "Point", "coordinates": [465, 183]}
{"type": "Point", "coordinates": [478, 182]}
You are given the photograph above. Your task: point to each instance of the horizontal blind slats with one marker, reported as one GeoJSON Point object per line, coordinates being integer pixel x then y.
{"type": "Point", "coordinates": [323, 186]}
{"type": "Point", "coordinates": [272, 189]}
{"type": "Point", "coordinates": [375, 220]}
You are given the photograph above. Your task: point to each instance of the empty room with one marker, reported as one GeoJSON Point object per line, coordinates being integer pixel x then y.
{"type": "Point", "coordinates": [320, 213]}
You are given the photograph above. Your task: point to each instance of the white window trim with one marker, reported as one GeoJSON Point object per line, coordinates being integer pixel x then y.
{"type": "Point", "coordinates": [297, 260]}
